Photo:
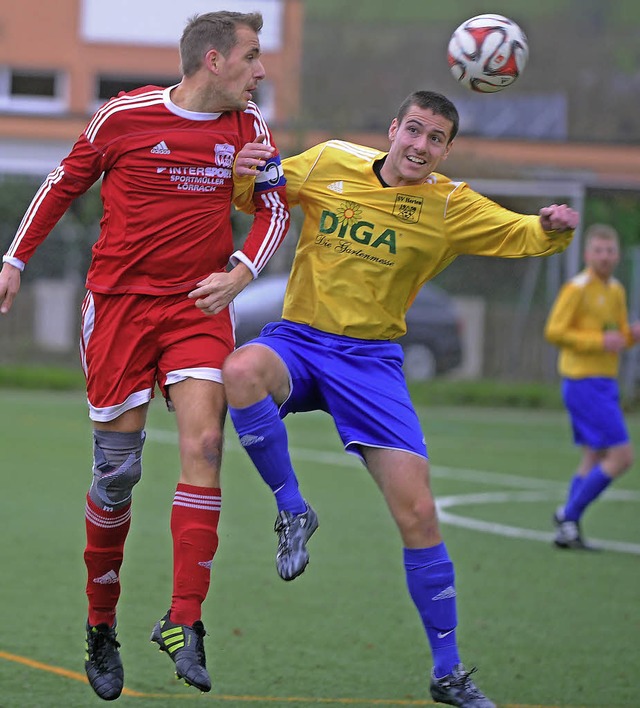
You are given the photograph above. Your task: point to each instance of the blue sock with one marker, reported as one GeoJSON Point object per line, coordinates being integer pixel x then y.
{"type": "Point", "coordinates": [264, 436]}
{"type": "Point", "coordinates": [575, 485]}
{"type": "Point", "coordinates": [431, 583]}
{"type": "Point", "coordinates": [592, 487]}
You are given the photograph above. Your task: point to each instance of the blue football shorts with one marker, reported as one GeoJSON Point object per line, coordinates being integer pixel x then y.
{"type": "Point", "coordinates": [359, 382]}
{"type": "Point", "coordinates": [594, 411]}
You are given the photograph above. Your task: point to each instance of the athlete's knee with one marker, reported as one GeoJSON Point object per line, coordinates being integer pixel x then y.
{"type": "Point", "coordinates": [627, 462]}
{"type": "Point", "coordinates": [202, 447]}
{"type": "Point", "coordinates": [253, 372]}
{"type": "Point", "coordinates": [418, 520]}
{"type": "Point", "coordinates": [117, 467]}
{"type": "Point", "coordinates": [619, 460]}
{"type": "Point", "coordinates": [240, 368]}
{"type": "Point", "coordinates": [628, 458]}
{"type": "Point", "coordinates": [423, 509]}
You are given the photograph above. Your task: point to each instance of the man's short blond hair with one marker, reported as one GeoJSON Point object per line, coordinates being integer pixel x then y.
{"type": "Point", "coordinates": [213, 30]}
{"type": "Point", "coordinates": [601, 231]}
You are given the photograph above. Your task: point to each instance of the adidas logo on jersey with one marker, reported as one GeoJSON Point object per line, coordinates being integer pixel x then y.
{"type": "Point", "coordinates": [161, 149]}
{"type": "Point", "coordinates": [336, 186]}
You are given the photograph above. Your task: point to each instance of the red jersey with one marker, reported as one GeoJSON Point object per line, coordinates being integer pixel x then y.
{"type": "Point", "coordinates": [167, 192]}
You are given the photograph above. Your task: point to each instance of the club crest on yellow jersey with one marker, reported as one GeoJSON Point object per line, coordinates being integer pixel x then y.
{"type": "Point", "coordinates": [408, 208]}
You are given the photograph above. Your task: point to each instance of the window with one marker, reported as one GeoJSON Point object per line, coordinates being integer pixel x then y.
{"type": "Point", "coordinates": [265, 97]}
{"type": "Point", "coordinates": [110, 85]}
{"type": "Point", "coordinates": [149, 23]}
{"type": "Point", "coordinates": [32, 91]}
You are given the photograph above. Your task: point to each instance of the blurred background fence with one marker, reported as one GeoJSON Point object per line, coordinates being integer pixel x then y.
{"type": "Point", "coordinates": [502, 303]}
{"type": "Point", "coordinates": [568, 130]}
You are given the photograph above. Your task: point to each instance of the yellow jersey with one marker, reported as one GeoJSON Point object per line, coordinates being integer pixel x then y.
{"type": "Point", "coordinates": [586, 307]}
{"type": "Point", "coordinates": [365, 250]}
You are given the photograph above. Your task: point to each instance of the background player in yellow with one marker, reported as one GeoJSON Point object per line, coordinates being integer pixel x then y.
{"type": "Point", "coordinates": [588, 322]}
{"type": "Point", "coordinates": [376, 227]}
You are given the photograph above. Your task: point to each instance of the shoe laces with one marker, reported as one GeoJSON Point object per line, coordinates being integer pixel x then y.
{"type": "Point", "coordinates": [282, 527]}
{"type": "Point", "coordinates": [462, 680]}
{"type": "Point", "coordinates": [103, 646]}
{"type": "Point", "coordinates": [200, 633]}
{"type": "Point", "coordinates": [283, 522]}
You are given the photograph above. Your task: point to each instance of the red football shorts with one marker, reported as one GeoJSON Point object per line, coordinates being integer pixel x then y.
{"type": "Point", "coordinates": [130, 343]}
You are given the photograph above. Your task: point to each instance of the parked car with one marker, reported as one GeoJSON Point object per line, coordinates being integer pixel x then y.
{"type": "Point", "coordinates": [432, 345]}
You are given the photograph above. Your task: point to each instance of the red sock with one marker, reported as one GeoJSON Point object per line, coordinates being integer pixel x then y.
{"type": "Point", "coordinates": [106, 534]}
{"type": "Point", "coordinates": [194, 527]}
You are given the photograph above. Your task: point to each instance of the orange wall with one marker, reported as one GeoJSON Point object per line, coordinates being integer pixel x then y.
{"type": "Point", "coordinates": [45, 34]}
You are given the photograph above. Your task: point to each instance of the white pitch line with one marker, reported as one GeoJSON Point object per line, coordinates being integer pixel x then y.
{"type": "Point", "coordinates": [548, 490]}
{"type": "Point", "coordinates": [514, 531]}
{"type": "Point", "coordinates": [342, 459]}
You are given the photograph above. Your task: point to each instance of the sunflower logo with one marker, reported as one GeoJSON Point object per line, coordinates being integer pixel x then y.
{"type": "Point", "coordinates": [349, 212]}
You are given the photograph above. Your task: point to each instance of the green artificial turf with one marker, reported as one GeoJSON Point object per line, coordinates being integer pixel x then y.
{"type": "Point", "coordinates": [545, 627]}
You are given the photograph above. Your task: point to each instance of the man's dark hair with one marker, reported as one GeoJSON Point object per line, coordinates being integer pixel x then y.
{"type": "Point", "coordinates": [439, 104]}
{"type": "Point", "coordinates": [212, 30]}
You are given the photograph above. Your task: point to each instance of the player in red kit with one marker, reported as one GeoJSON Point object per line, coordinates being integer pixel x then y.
{"type": "Point", "coordinates": [161, 279]}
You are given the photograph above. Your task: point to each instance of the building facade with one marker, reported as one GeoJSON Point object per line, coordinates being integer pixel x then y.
{"type": "Point", "coordinates": [60, 61]}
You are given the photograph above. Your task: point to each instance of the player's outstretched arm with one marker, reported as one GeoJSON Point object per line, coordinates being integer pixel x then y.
{"type": "Point", "coordinates": [9, 286]}
{"type": "Point", "coordinates": [558, 217]}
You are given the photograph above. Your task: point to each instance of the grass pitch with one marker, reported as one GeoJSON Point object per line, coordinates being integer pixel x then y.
{"type": "Point", "coordinates": [545, 627]}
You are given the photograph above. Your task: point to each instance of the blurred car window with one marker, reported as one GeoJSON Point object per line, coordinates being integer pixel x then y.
{"type": "Point", "coordinates": [432, 345]}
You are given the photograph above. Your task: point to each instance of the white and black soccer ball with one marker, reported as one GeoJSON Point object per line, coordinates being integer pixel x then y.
{"type": "Point", "coordinates": [487, 53]}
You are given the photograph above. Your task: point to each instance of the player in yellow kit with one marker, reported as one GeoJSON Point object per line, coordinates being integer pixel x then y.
{"type": "Point", "coordinates": [589, 323]}
{"type": "Point", "coordinates": [377, 226]}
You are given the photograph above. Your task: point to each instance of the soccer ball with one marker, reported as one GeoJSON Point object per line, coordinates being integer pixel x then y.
{"type": "Point", "coordinates": [487, 53]}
